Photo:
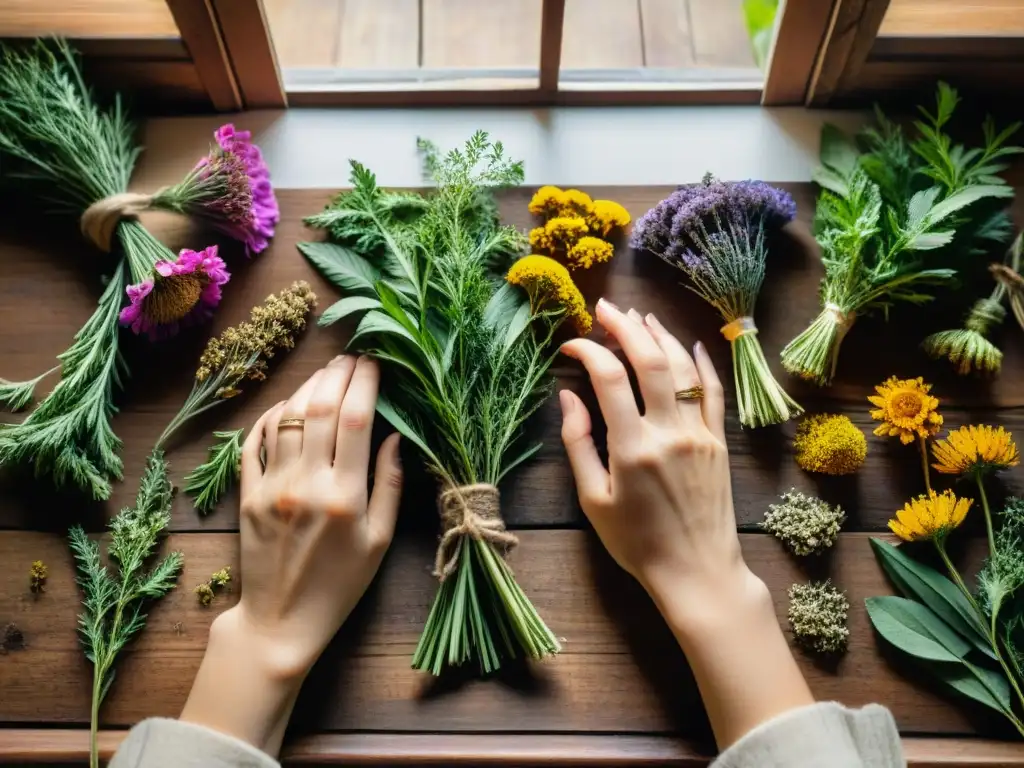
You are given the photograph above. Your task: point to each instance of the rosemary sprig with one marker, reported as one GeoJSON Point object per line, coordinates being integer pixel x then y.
{"type": "Point", "coordinates": [16, 395]}
{"type": "Point", "coordinates": [208, 482]}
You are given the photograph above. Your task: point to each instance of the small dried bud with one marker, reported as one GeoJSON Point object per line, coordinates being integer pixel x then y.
{"type": "Point", "coordinates": [12, 639]}
{"type": "Point", "coordinates": [222, 577]}
{"type": "Point", "coordinates": [204, 594]}
{"type": "Point", "coordinates": [817, 615]}
{"type": "Point", "coordinates": [37, 576]}
{"type": "Point", "coordinates": [805, 524]}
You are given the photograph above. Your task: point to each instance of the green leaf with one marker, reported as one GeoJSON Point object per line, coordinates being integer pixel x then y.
{"type": "Point", "coordinates": [503, 305]}
{"type": "Point", "coordinates": [830, 180]}
{"type": "Point", "coordinates": [208, 482]}
{"type": "Point", "coordinates": [374, 323]}
{"type": "Point", "coordinates": [388, 411]}
{"type": "Point", "coordinates": [965, 197]}
{"type": "Point", "coordinates": [347, 306]}
{"type": "Point", "coordinates": [914, 629]}
{"type": "Point", "coordinates": [343, 267]}
{"type": "Point", "coordinates": [930, 240]}
{"type": "Point", "coordinates": [930, 587]}
{"type": "Point", "coordinates": [977, 683]}
{"type": "Point", "coordinates": [520, 320]}
{"type": "Point", "coordinates": [837, 151]}
{"type": "Point", "coordinates": [920, 205]}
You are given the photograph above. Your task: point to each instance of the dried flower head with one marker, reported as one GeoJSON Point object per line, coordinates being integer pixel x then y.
{"type": "Point", "coordinates": [829, 443]}
{"type": "Point", "coordinates": [589, 251]}
{"type": "Point", "coordinates": [242, 351]}
{"type": "Point", "coordinates": [11, 639]}
{"type": "Point", "coordinates": [930, 516]}
{"type": "Point", "coordinates": [179, 293]}
{"type": "Point", "coordinates": [559, 234]}
{"type": "Point", "coordinates": [905, 409]}
{"type": "Point", "coordinates": [37, 575]}
{"type": "Point", "coordinates": [222, 577]}
{"type": "Point", "coordinates": [607, 215]}
{"type": "Point", "coordinates": [968, 348]}
{"type": "Point", "coordinates": [975, 449]}
{"type": "Point", "coordinates": [204, 593]}
{"type": "Point", "coordinates": [805, 524]}
{"type": "Point", "coordinates": [548, 282]}
{"type": "Point", "coordinates": [546, 201]}
{"type": "Point", "coordinates": [818, 614]}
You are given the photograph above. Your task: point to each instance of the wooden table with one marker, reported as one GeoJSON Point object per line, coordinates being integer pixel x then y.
{"type": "Point", "coordinates": [621, 690]}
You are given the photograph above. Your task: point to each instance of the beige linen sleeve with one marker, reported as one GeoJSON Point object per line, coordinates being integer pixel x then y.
{"type": "Point", "coordinates": [163, 743]}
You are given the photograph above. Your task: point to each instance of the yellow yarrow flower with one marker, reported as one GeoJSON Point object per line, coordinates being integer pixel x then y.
{"type": "Point", "coordinates": [829, 443]}
{"type": "Point", "coordinates": [558, 235]}
{"type": "Point", "coordinates": [905, 409]}
{"type": "Point", "coordinates": [930, 516]}
{"type": "Point", "coordinates": [588, 252]}
{"type": "Point", "coordinates": [606, 216]}
{"type": "Point", "coordinates": [545, 280]}
{"type": "Point", "coordinates": [970, 450]}
{"type": "Point", "coordinates": [546, 201]}
{"type": "Point", "coordinates": [576, 203]}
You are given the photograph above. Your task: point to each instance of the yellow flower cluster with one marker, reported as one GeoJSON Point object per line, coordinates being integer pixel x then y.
{"type": "Point", "coordinates": [830, 444]}
{"type": "Point", "coordinates": [930, 516]}
{"type": "Point", "coordinates": [971, 450]}
{"type": "Point", "coordinates": [576, 227]}
{"type": "Point", "coordinates": [547, 281]}
{"type": "Point", "coordinates": [37, 576]}
{"type": "Point", "coordinates": [905, 409]}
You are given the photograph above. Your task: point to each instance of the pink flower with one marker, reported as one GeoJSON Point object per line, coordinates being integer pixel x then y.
{"type": "Point", "coordinates": [182, 292]}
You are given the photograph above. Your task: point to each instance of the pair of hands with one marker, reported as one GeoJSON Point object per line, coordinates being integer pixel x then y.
{"type": "Point", "coordinates": [312, 540]}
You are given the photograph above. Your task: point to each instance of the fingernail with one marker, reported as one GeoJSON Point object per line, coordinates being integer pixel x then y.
{"type": "Point", "coordinates": [698, 349]}
{"type": "Point", "coordinates": [635, 316]}
{"type": "Point", "coordinates": [603, 301]}
{"type": "Point", "coordinates": [652, 321]}
{"type": "Point", "coordinates": [565, 400]}
{"type": "Point", "coordinates": [337, 360]}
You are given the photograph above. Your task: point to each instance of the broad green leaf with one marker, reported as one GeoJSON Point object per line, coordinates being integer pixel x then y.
{"type": "Point", "coordinates": [388, 411]}
{"type": "Point", "coordinates": [914, 629]}
{"type": "Point", "coordinates": [502, 306]}
{"type": "Point", "coordinates": [392, 302]}
{"type": "Point", "coordinates": [830, 180]}
{"type": "Point", "coordinates": [520, 320]}
{"type": "Point", "coordinates": [837, 152]}
{"type": "Point", "coordinates": [375, 323]}
{"type": "Point", "coordinates": [965, 197]}
{"type": "Point", "coordinates": [930, 587]}
{"type": "Point", "coordinates": [347, 306]}
{"type": "Point", "coordinates": [930, 240]}
{"type": "Point", "coordinates": [342, 266]}
{"type": "Point", "coordinates": [978, 683]}
{"type": "Point", "coordinates": [919, 206]}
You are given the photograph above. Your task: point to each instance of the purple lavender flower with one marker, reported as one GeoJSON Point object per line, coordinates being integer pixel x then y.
{"type": "Point", "coordinates": [182, 292]}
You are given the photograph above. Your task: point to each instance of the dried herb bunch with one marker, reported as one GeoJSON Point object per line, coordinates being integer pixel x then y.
{"type": "Point", "coordinates": [465, 362]}
{"type": "Point", "coordinates": [115, 596]}
{"type": "Point", "coordinates": [243, 352]}
{"type": "Point", "coordinates": [818, 614]}
{"type": "Point", "coordinates": [805, 524]}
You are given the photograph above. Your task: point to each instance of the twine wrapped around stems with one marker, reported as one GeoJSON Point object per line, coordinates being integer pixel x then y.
{"type": "Point", "coordinates": [100, 220]}
{"type": "Point", "coordinates": [469, 510]}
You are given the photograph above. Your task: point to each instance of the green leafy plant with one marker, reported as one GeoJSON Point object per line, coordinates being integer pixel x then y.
{"type": "Point", "coordinates": [115, 596]}
{"type": "Point", "coordinates": [896, 219]}
{"type": "Point", "coordinates": [465, 358]}
{"type": "Point", "coordinates": [759, 16]}
{"type": "Point", "coordinates": [208, 482]}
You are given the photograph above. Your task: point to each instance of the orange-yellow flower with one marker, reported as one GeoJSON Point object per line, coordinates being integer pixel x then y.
{"type": "Point", "coordinates": [576, 203]}
{"type": "Point", "coordinates": [930, 516]}
{"type": "Point", "coordinates": [606, 216]}
{"type": "Point", "coordinates": [546, 201]}
{"type": "Point", "coordinates": [970, 450]}
{"type": "Point", "coordinates": [829, 443]}
{"type": "Point", "coordinates": [589, 251]}
{"type": "Point", "coordinates": [558, 235]}
{"type": "Point", "coordinates": [547, 281]}
{"type": "Point", "coordinates": [905, 409]}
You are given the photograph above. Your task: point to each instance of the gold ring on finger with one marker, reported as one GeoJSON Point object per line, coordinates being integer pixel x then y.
{"type": "Point", "coordinates": [291, 423]}
{"type": "Point", "coordinates": [691, 393]}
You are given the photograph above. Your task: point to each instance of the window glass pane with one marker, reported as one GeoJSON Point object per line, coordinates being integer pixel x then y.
{"type": "Point", "coordinates": [663, 43]}
{"type": "Point", "coordinates": [926, 18]}
{"type": "Point", "coordinates": [406, 44]}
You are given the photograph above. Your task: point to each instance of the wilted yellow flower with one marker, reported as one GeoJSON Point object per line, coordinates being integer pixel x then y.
{"type": "Point", "coordinates": [545, 280]}
{"type": "Point", "coordinates": [970, 450]}
{"type": "Point", "coordinates": [576, 203]}
{"type": "Point", "coordinates": [546, 201]}
{"type": "Point", "coordinates": [829, 443]}
{"type": "Point", "coordinates": [37, 576]}
{"type": "Point", "coordinates": [606, 216]}
{"type": "Point", "coordinates": [588, 252]}
{"type": "Point", "coordinates": [558, 235]}
{"type": "Point", "coordinates": [905, 409]}
{"type": "Point", "coordinates": [930, 516]}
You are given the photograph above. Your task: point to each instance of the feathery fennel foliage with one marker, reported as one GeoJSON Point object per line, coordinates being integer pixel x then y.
{"type": "Point", "coordinates": [60, 145]}
{"type": "Point", "coordinates": [896, 219]}
{"type": "Point", "coordinates": [465, 364]}
{"type": "Point", "coordinates": [207, 482]}
{"type": "Point", "coordinates": [115, 596]}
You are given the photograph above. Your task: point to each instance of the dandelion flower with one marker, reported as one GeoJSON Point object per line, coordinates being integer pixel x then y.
{"type": "Point", "coordinates": [589, 251]}
{"type": "Point", "coordinates": [829, 443]}
{"type": "Point", "coordinates": [930, 516]}
{"type": "Point", "coordinates": [559, 234]}
{"type": "Point", "coordinates": [973, 450]}
{"type": "Point", "coordinates": [818, 614]}
{"type": "Point", "coordinates": [805, 524]}
{"type": "Point", "coordinates": [905, 409]}
{"type": "Point", "coordinates": [606, 216]}
{"type": "Point", "coordinates": [181, 292]}
{"type": "Point", "coordinates": [576, 203]}
{"type": "Point", "coordinates": [545, 280]}
{"type": "Point", "coordinates": [546, 201]}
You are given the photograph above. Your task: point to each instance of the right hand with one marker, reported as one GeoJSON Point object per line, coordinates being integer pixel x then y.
{"type": "Point", "coordinates": [663, 507]}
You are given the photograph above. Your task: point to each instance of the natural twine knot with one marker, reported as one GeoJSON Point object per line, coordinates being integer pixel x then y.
{"type": "Point", "coordinates": [469, 510]}
{"type": "Point", "coordinates": [843, 319]}
{"type": "Point", "coordinates": [100, 219]}
{"type": "Point", "coordinates": [984, 314]}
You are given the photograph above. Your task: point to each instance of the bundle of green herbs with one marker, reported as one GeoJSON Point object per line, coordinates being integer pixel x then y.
{"type": "Point", "coordinates": [898, 217]}
{"type": "Point", "coordinates": [465, 358]}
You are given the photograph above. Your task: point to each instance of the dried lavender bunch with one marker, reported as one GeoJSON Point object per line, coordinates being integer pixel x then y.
{"type": "Point", "coordinates": [818, 614]}
{"type": "Point", "coordinates": [242, 352]}
{"type": "Point", "coordinates": [715, 233]}
{"type": "Point", "coordinates": [805, 524]}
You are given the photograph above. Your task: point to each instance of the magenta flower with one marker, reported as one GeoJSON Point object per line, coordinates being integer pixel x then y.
{"type": "Point", "coordinates": [179, 293]}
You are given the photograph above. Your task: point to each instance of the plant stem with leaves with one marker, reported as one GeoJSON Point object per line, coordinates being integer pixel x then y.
{"type": "Point", "coordinates": [208, 482]}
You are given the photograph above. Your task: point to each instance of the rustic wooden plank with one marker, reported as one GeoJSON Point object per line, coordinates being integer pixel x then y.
{"type": "Point", "coordinates": [800, 29]}
{"type": "Point", "coordinates": [552, 32]}
{"type": "Point", "coordinates": [719, 35]}
{"type": "Point", "coordinates": [621, 671]}
{"type": "Point", "coordinates": [938, 18]}
{"type": "Point", "coordinates": [668, 39]}
{"type": "Point", "coordinates": [86, 18]}
{"type": "Point", "coordinates": [467, 33]}
{"type": "Point", "coordinates": [247, 38]}
{"type": "Point", "coordinates": [159, 87]}
{"type": "Point", "coordinates": [604, 35]}
{"type": "Point", "coordinates": [845, 48]}
{"type": "Point", "coordinates": [39, 266]}
{"type": "Point", "coordinates": [200, 31]}
{"type": "Point", "coordinates": [305, 33]}
{"type": "Point", "coordinates": [379, 34]}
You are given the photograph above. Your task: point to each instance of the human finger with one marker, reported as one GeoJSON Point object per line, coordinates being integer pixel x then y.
{"type": "Point", "coordinates": [291, 424]}
{"type": "Point", "coordinates": [251, 466]}
{"type": "Point", "coordinates": [320, 432]}
{"type": "Point", "coordinates": [713, 403]}
{"type": "Point", "coordinates": [647, 359]}
{"type": "Point", "coordinates": [684, 371]}
{"type": "Point", "coordinates": [611, 385]}
{"type": "Point", "coordinates": [382, 509]}
{"type": "Point", "coordinates": [592, 480]}
{"type": "Point", "coordinates": [355, 421]}
{"type": "Point", "coordinates": [270, 434]}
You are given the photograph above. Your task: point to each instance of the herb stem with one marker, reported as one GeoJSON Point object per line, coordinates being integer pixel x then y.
{"type": "Point", "coordinates": [988, 515]}
{"type": "Point", "coordinates": [922, 442]}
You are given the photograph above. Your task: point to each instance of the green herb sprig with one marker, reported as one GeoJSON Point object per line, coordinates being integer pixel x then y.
{"type": "Point", "coordinates": [208, 482]}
